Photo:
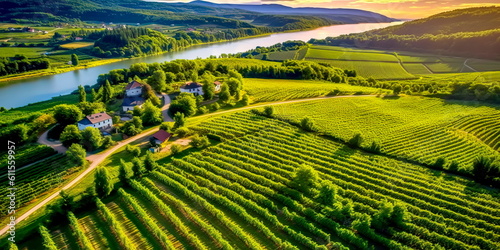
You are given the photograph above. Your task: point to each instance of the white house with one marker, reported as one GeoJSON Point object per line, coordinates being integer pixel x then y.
{"type": "Point", "coordinates": [134, 88]}
{"type": "Point", "coordinates": [192, 87]}
{"type": "Point", "coordinates": [99, 120]}
{"type": "Point", "coordinates": [217, 86]}
{"type": "Point", "coordinates": [130, 102]}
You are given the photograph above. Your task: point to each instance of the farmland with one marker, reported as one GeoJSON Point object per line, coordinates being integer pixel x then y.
{"type": "Point", "coordinates": [237, 194]}
{"type": "Point", "coordinates": [416, 128]}
{"type": "Point", "coordinates": [267, 90]}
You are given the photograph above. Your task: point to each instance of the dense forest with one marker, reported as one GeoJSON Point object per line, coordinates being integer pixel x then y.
{"type": "Point", "coordinates": [465, 32]}
{"type": "Point", "coordinates": [21, 64]}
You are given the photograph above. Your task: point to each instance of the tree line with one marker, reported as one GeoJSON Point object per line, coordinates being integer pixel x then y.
{"type": "Point", "coordinates": [21, 64]}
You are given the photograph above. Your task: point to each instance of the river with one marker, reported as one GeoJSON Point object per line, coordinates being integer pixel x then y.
{"type": "Point", "coordinates": [22, 92]}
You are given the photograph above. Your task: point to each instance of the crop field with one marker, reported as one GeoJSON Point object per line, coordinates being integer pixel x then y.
{"type": "Point", "coordinates": [76, 45]}
{"type": "Point", "coordinates": [37, 179]}
{"type": "Point", "coordinates": [377, 70]}
{"type": "Point", "coordinates": [318, 53]}
{"type": "Point", "coordinates": [27, 154]}
{"type": "Point", "coordinates": [484, 65]}
{"type": "Point", "coordinates": [267, 90]}
{"type": "Point", "coordinates": [243, 62]}
{"type": "Point", "coordinates": [416, 68]}
{"type": "Point", "coordinates": [418, 59]}
{"type": "Point", "coordinates": [446, 67]}
{"type": "Point", "coordinates": [237, 194]}
{"type": "Point", "coordinates": [417, 128]}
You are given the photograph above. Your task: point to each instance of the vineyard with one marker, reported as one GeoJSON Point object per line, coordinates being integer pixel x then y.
{"type": "Point", "coordinates": [267, 90]}
{"type": "Point", "coordinates": [238, 195]}
{"type": "Point", "coordinates": [37, 179]}
{"type": "Point", "coordinates": [417, 128]}
{"type": "Point", "coordinates": [376, 70]}
{"type": "Point", "coordinates": [27, 154]}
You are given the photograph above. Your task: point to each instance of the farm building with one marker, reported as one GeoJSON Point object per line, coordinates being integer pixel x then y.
{"type": "Point", "coordinates": [78, 38]}
{"type": "Point", "coordinates": [99, 120]}
{"type": "Point", "coordinates": [192, 87]}
{"type": "Point", "coordinates": [217, 86]}
{"type": "Point", "coordinates": [134, 88]}
{"type": "Point", "coordinates": [161, 136]}
{"type": "Point", "coordinates": [129, 102]}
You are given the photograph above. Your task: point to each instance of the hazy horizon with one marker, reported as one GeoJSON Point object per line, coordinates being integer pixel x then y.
{"type": "Point", "coordinates": [403, 9]}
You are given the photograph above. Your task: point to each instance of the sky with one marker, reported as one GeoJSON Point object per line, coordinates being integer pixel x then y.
{"type": "Point", "coordinates": [411, 9]}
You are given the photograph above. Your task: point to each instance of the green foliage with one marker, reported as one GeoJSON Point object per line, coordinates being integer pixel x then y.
{"type": "Point", "coordinates": [89, 108]}
{"type": "Point", "coordinates": [107, 92]}
{"type": "Point", "coordinates": [486, 168]}
{"type": "Point", "coordinates": [307, 124]}
{"type": "Point", "coordinates": [158, 81]}
{"type": "Point", "coordinates": [304, 178]}
{"type": "Point", "coordinates": [269, 111]}
{"type": "Point", "coordinates": [102, 183]}
{"type": "Point", "coordinates": [167, 126]}
{"type": "Point", "coordinates": [184, 103]}
{"type": "Point", "coordinates": [175, 149]}
{"type": "Point", "coordinates": [245, 100]}
{"type": "Point", "coordinates": [180, 120]}
{"type": "Point", "coordinates": [71, 134]}
{"type": "Point", "coordinates": [134, 150]}
{"type": "Point", "coordinates": [47, 241]}
{"type": "Point", "coordinates": [74, 60]}
{"type": "Point", "coordinates": [82, 95]}
{"type": "Point", "coordinates": [132, 127]}
{"type": "Point", "coordinates": [83, 241]}
{"type": "Point", "coordinates": [207, 79]}
{"type": "Point", "coordinates": [151, 115]}
{"type": "Point", "coordinates": [327, 193]}
{"type": "Point", "coordinates": [125, 171]}
{"type": "Point", "coordinates": [182, 132]}
{"type": "Point", "coordinates": [138, 167]}
{"type": "Point", "coordinates": [76, 154]}
{"type": "Point", "coordinates": [356, 140]}
{"type": "Point", "coordinates": [107, 142]}
{"type": "Point", "coordinates": [234, 85]}
{"type": "Point", "coordinates": [150, 163]}
{"type": "Point", "coordinates": [91, 138]}
{"type": "Point", "coordinates": [117, 227]}
{"type": "Point", "coordinates": [67, 114]}
{"type": "Point", "coordinates": [199, 141]}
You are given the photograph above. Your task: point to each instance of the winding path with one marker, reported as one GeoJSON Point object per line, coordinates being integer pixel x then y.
{"type": "Point", "coordinates": [96, 159]}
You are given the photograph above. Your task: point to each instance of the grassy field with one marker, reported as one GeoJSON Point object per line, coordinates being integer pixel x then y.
{"type": "Point", "coordinates": [237, 194]}
{"type": "Point", "coordinates": [417, 128]}
{"type": "Point", "coordinates": [416, 68]}
{"type": "Point", "coordinates": [268, 90]}
{"type": "Point", "coordinates": [377, 70]}
{"type": "Point", "coordinates": [76, 45]}
{"type": "Point", "coordinates": [318, 52]}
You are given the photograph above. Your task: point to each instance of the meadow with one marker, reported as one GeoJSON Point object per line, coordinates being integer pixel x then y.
{"type": "Point", "coordinates": [237, 194]}
{"type": "Point", "coordinates": [416, 128]}
{"type": "Point", "coordinates": [268, 90]}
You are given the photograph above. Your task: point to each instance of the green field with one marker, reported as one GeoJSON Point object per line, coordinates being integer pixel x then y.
{"type": "Point", "coordinates": [237, 195]}
{"type": "Point", "coordinates": [316, 52]}
{"type": "Point", "coordinates": [417, 128]}
{"type": "Point", "coordinates": [268, 90]}
{"type": "Point", "coordinates": [76, 45]}
{"type": "Point", "coordinates": [446, 67]}
{"type": "Point", "coordinates": [376, 70]}
{"type": "Point", "coordinates": [416, 68]}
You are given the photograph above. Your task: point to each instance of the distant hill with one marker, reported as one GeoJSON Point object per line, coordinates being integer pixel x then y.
{"type": "Point", "coordinates": [461, 20]}
{"type": "Point", "coordinates": [471, 32]}
{"type": "Point", "coordinates": [342, 15]}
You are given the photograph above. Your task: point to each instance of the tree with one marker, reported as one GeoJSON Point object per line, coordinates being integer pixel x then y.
{"type": "Point", "coordinates": [43, 121]}
{"type": "Point", "coordinates": [137, 121]}
{"type": "Point", "coordinates": [198, 141]}
{"type": "Point", "coordinates": [82, 95]}
{"type": "Point", "coordinates": [399, 215]}
{"type": "Point", "coordinates": [91, 138]}
{"type": "Point", "coordinates": [71, 134]}
{"type": "Point", "coordinates": [169, 78]}
{"type": "Point", "coordinates": [168, 126]}
{"type": "Point", "coordinates": [67, 114]}
{"type": "Point", "coordinates": [269, 111]}
{"type": "Point", "coordinates": [245, 100]}
{"type": "Point", "coordinates": [304, 178]}
{"type": "Point", "coordinates": [151, 115]}
{"type": "Point", "coordinates": [326, 194]}
{"type": "Point", "coordinates": [184, 103]}
{"type": "Point", "coordinates": [134, 150]}
{"type": "Point", "coordinates": [179, 120]}
{"type": "Point", "coordinates": [66, 201]}
{"type": "Point", "coordinates": [149, 94]}
{"type": "Point", "coordinates": [76, 155]}
{"type": "Point", "coordinates": [74, 60]}
{"type": "Point", "coordinates": [47, 241]}
{"type": "Point", "coordinates": [208, 85]}
{"type": "Point", "coordinates": [149, 163]}
{"type": "Point", "coordinates": [138, 167]}
{"type": "Point", "coordinates": [89, 108]}
{"type": "Point", "coordinates": [107, 92]}
{"type": "Point", "coordinates": [103, 185]}
{"type": "Point", "coordinates": [158, 81]}
{"type": "Point", "coordinates": [307, 124]}
{"type": "Point", "coordinates": [234, 85]}
{"type": "Point", "coordinates": [224, 95]}
{"type": "Point", "coordinates": [125, 171]}
{"type": "Point", "coordinates": [356, 140]}
{"type": "Point", "coordinates": [182, 132]}
{"type": "Point", "coordinates": [396, 89]}
{"type": "Point", "coordinates": [107, 142]}
{"type": "Point", "coordinates": [175, 149]}
{"type": "Point", "coordinates": [137, 111]}
{"type": "Point", "coordinates": [194, 77]}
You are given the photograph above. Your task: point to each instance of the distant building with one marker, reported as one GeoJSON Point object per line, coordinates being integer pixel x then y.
{"type": "Point", "coordinates": [78, 38]}
{"type": "Point", "coordinates": [192, 87]}
{"type": "Point", "coordinates": [129, 102]}
{"type": "Point", "coordinates": [189, 29]}
{"type": "Point", "coordinates": [217, 85]}
{"type": "Point", "coordinates": [161, 136]}
{"type": "Point", "coordinates": [99, 120]}
{"type": "Point", "coordinates": [134, 88]}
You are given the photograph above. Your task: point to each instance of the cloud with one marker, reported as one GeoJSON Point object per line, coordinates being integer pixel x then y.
{"type": "Point", "coordinates": [277, 0]}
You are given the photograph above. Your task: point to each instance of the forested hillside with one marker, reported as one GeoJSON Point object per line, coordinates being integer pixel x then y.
{"type": "Point", "coordinates": [472, 32]}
